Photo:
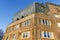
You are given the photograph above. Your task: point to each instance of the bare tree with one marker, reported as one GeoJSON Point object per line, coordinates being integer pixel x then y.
{"type": "Point", "coordinates": [1, 34]}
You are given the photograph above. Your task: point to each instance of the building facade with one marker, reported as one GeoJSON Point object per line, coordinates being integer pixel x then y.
{"type": "Point", "coordinates": [36, 22]}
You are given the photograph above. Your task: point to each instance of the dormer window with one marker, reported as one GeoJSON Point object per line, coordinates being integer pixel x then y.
{"type": "Point", "coordinates": [17, 18]}
{"type": "Point", "coordinates": [22, 16]}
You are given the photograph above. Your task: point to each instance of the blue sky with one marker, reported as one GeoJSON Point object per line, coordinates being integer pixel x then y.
{"type": "Point", "coordinates": [9, 7]}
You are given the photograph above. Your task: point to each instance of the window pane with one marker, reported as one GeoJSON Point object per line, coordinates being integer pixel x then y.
{"type": "Point", "coordinates": [24, 35]}
{"type": "Point", "coordinates": [45, 34]}
{"type": "Point", "coordinates": [58, 24]}
{"type": "Point", "coordinates": [14, 37]}
{"type": "Point", "coordinates": [46, 22]}
{"type": "Point", "coordinates": [17, 26]}
{"type": "Point", "coordinates": [7, 38]}
{"type": "Point", "coordinates": [48, 33]}
{"type": "Point", "coordinates": [42, 34]}
{"type": "Point", "coordinates": [49, 22]}
{"type": "Point", "coordinates": [52, 35]}
{"type": "Point", "coordinates": [23, 24]}
{"type": "Point", "coordinates": [41, 21]}
{"type": "Point", "coordinates": [57, 16]}
{"type": "Point", "coordinates": [26, 23]}
{"type": "Point", "coordinates": [29, 22]}
{"type": "Point", "coordinates": [28, 34]}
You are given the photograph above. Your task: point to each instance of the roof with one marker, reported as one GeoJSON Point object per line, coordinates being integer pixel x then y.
{"type": "Point", "coordinates": [34, 7]}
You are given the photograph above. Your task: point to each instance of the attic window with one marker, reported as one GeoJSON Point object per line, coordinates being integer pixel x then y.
{"type": "Point", "coordinates": [22, 16]}
{"type": "Point", "coordinates": [17, 18]}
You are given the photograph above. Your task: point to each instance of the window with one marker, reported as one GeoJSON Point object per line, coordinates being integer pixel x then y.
{"type": "Point", "coordinates": [45, 34]}
{"type": "Point", "coordinates": [48, 34]}
{"type": "Point", "coordinates": [14, 37]}
{"type": "Point", "coordinates": [10, 29]}
{"type": "Point", "coordinates": [57, 16]}
{"type": "Point", "coordinates": [25, 35]}
{"type": "Point", "coordinates": [26, 23]}
{"type": "Point", "coordinates": [22, 16]}
{"type": "Point", "coordinates": [17, 26]}
{"type": "Point", "coordinates": [46, 22]}
{"type": "Point", "coordinates": [42, 34]}
{"type": "Point", "coordinates": [58, 24]}
{"type": "Point", "coordinates": [7, 38]}
{"type": "Point", "coordinates": [52, 36]}
{"type": "Point", "coordinates": [17, 19]}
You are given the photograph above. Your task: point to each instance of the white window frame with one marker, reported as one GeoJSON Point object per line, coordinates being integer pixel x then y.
{"type": "Point", "coordinates": [51, 36]}
{"type": "Point", "coordinates": [26, 23]}
{"type": "Point", "coordinates": [14, 37]}
{"type": "Point", "coordinates": [42, 34]}
{"type": "Point", "coordinates": [45, 21]}
{"type": "Point", "coordinates": [57, 15]}
{"type": "Point", "coordinates": [24, 34]}
{"type": "Point", "coordinates": [7, 38]}
{"type": "Point", "coordinates": [16, 26]}
{"type": "Point", "coordinates": [58, 24]}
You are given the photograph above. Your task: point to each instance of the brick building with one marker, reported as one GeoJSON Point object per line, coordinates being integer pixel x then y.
{"type": "Point", "coordinates": [36, 22]}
